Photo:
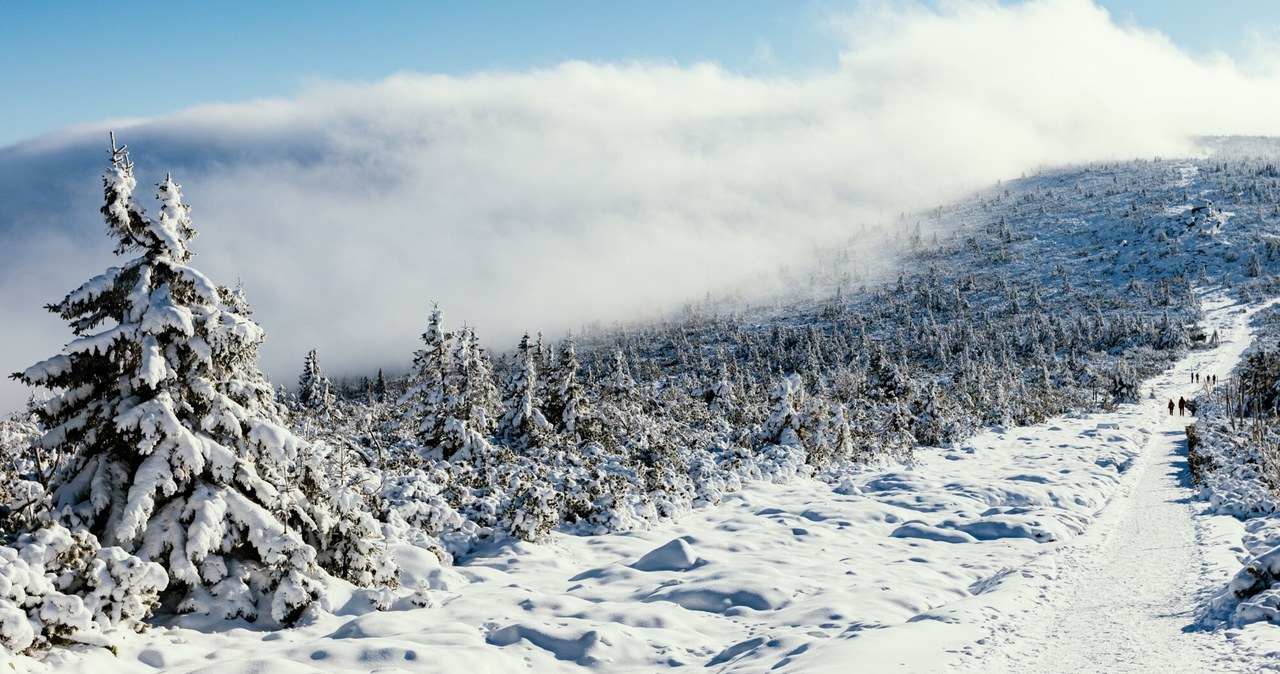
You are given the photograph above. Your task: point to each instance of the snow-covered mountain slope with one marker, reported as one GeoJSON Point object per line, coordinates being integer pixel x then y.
{"type": "Point", "coordinates": [961, 489]}
{"type": "Point", "coordinates": [1064, 546]}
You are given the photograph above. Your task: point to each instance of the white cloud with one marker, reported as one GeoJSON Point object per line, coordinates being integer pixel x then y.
{"type": "Point", "coordinates": [542, 200]}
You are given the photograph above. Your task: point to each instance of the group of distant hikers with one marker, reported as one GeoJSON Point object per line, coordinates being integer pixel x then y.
{"type": "Point", "coordinates": [1211, 380]}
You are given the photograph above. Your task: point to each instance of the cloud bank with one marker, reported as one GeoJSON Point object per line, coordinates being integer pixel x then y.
{"type": "Point", "coordinates": [543, 200]}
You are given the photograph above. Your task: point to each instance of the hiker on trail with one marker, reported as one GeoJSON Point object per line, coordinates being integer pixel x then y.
{"type": "Point", "coordinates": [1215, 380]}
{"type": "Point", "coordinates": [1182, 406]}
{"type": "Point", "coordinates": [1197, 377]}
{"type": "Point", "coordinates": [1171, 407]}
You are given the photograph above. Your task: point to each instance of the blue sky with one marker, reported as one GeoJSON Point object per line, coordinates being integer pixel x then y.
{"type": "Point", "coordinates": [71, 62]}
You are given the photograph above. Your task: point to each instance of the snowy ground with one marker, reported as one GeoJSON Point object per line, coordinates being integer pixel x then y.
{"type": "Point", "coordinates": [1068, 546]}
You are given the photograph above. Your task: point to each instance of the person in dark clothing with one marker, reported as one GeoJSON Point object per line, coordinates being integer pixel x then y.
{"type": "Point", "coordinates": [1197, 377]}
{"type": "Point", "coordinates": [1182, 406]}
{"type": "Point", "coordinates": [1171, 407]}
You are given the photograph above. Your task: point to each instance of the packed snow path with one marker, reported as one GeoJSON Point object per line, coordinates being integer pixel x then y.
{"type": "Point", "coordinates": [1124, 596]}
{"type": "Point", "coordinates": [1130, 589]}
{"type": "Point", "coordinates": [1066, 546]}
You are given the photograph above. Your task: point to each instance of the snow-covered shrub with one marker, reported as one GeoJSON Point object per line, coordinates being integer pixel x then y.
{"type": "Point", "coordinates": [418, 513]}
{"type": "Point", "coordinates": [534, 510]}
{"type": "Point", "coordinates": [24, 471]}
{"type": "Point", "coordinates": [342, 497]}
{"type": "Point", "coordinates": [58, 586]}
{"type": "Point", "coordinates": [1254, 593]}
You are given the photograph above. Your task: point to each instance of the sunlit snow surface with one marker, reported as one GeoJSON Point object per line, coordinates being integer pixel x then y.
{"type": "Point", "coordinates": [993, 556]}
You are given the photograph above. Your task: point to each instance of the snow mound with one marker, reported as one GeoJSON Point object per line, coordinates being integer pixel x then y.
{"type": "Point", "coordinates": [372, 626]}
{"type": "Point", "coordinates": [720, 595]}
{"type": "Point", "coordinates": [1042, 525]}
{"type": "Point", "coordinates": [675, 555]}
{"type": "Point", "coordinates": [918, 529]}
{"type": "Point", "coordinates": [576, 641]}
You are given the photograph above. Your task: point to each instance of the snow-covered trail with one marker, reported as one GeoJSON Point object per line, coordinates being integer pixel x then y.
{"type": "Point", "coordinates": [1065, 546]}
{"type": "Point", "coordinates": [1123, 596]}
{"type": "Point", "coordinates": [1130, 589]}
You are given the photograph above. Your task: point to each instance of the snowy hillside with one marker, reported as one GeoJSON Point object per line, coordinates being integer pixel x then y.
{"type": "Point", "coordinates": [946, 470]}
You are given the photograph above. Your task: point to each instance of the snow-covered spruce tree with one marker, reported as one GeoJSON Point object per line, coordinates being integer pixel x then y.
{"type": "Point", "coordinates": [567, 407]}
{"type": "Point", "coordinates": [784, 419]}
{"type": "Point", "coordinates": [541, 363]}
{"type": "Point", "coordinates": [425, 399]}
{"type": "Point", "coordinates": [933, 421]}
{"type": "Point", "coordinates": [618, 387]}
{"type": "Point", "coordinates": [468, 405]}
{"type": "Point", "coordinates": [484, 405]}
{"type": "Point", "coordinates": [815, 430]}
{"type": "Point", "coordinates": [721, 398]}
{"type": "Point", "coordinates": [532, 505]}
{"type": "Point", "coordinates": [840, 434]}
{"type": "Point", "coordinates": [176, 450]}
{"type": "Point", "coordinates": [315, 390]}
{"type": "Point", "coordinates": [1171, 335]}
{"type": "Point", "coordinates": [522, 425]}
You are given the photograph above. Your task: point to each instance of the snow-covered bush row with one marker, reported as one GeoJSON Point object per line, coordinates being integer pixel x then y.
{"type": "Point", "coordinates": [1234, 455]}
